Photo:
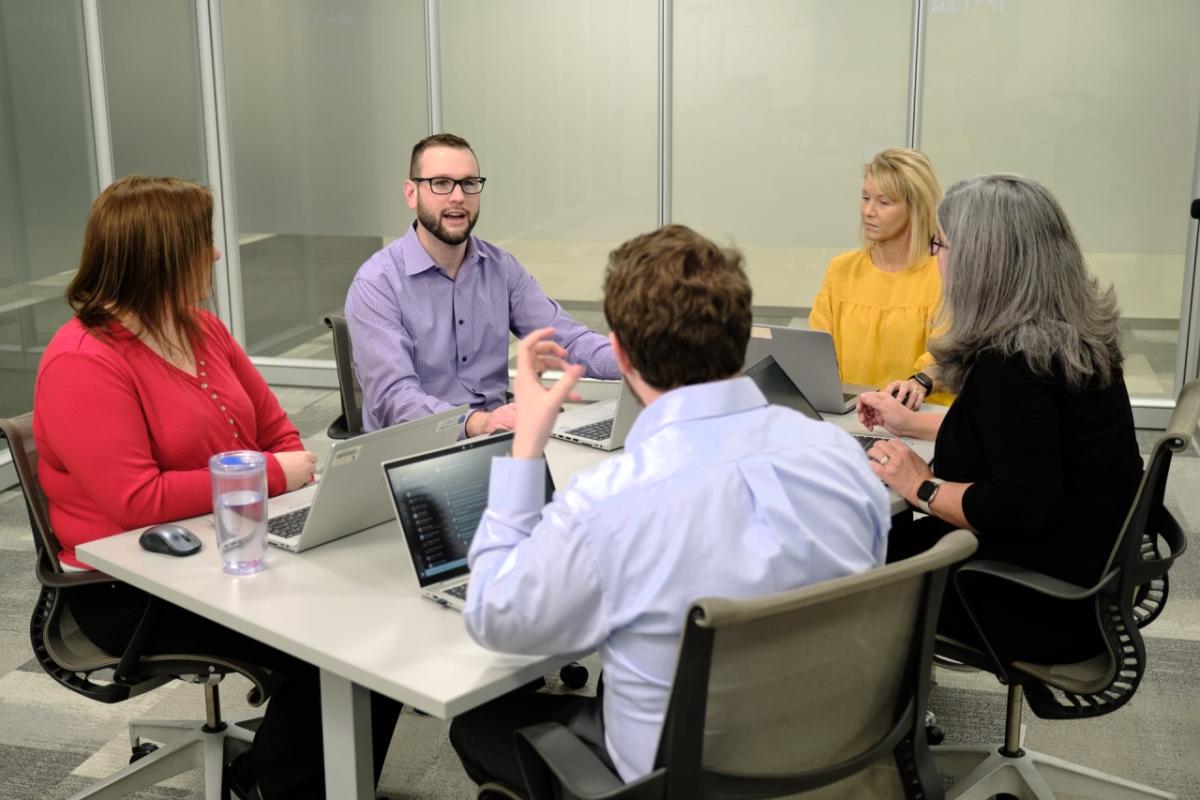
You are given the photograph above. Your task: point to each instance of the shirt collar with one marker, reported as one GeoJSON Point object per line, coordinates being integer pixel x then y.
{"type": "Point", "coordinates": [417, 259]}
{"type": "Point", "coordinates": [686, 403]}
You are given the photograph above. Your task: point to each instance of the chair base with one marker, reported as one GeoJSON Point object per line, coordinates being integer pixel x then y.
{"type": "Point", "coordinates": [986, 772]}
{"type": "Point", "coordinates": [185, 745]}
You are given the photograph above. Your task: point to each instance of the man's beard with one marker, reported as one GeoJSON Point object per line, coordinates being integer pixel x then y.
{"type": "Point", "coordinates": [434, 225]}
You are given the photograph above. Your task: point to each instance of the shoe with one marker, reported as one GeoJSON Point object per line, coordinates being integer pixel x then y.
{"type": "Point", "coordinates": [240, 780]}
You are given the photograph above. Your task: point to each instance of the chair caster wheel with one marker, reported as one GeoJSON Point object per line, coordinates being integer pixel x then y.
{"type": "Point", "coordinates": [141, 751]}
{"type": "Point", "coordinates": [574, 676]}
{"type": "Point", "coordinates": [934, 735]}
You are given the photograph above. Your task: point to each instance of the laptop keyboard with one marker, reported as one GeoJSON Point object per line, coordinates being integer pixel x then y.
{"type": "Point", "coordinates": [459, 591]}
{"type": "Point", "coordinates": [288, 525]}
{"type": "Point", "coordinates": [867, 441]}
{"type": "Point", "coordinates": [598, 431]}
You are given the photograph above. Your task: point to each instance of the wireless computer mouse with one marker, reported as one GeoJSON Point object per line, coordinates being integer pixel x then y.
{"type": "Point", "coordinates": [169, 538]}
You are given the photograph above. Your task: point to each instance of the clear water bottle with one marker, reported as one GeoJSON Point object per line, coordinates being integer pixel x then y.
{"type": "Point", "coordinates": [239, 486]}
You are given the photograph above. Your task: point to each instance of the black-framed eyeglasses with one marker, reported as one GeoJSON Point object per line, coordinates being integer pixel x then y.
{"type": "Point", "coordinates": [446, 185]}
{"type": "Point", "coordinates": [936, 245]}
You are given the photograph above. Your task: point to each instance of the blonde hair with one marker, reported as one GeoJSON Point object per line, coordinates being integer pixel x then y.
{"type": "Point", "coordinates": [907, 175]}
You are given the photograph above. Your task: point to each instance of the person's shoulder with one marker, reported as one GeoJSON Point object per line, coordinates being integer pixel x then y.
{"type": "Point", "coordinates": [849, 260]}
{"type": "Point", "coordinates": [383, 262]}
{"type": "Point", "coordinates": [495, 255]}
{"type": "Point", "coordinates": [73, 346]}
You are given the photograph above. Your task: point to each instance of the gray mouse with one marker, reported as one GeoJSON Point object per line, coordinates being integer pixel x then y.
{"type": "Point", "coordinates": [169, 538]}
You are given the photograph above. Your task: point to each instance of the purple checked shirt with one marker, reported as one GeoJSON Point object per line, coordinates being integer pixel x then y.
{"type": "Point", "coordinates": [424, 343]}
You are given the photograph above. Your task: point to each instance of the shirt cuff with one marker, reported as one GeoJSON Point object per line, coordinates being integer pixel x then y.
{"type": "Point", "coordinates": [276, 480]}
{"type": "Point", "coordinates": [517, 485]}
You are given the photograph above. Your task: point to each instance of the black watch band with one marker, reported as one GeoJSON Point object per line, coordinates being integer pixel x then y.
{"type": "Point", "coordinates": [924, 380]}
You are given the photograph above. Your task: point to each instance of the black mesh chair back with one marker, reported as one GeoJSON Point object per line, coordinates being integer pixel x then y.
{"type": "Point", "coordinates": [349, 424]}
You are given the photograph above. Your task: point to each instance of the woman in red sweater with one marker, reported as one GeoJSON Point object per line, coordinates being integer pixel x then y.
{"type": "Point", "coordinates": [133, 396]}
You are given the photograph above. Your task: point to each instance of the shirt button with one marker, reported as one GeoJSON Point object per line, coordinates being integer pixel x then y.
{"type": "Point", "coordinates": [203, 374]}
{"type": "Point", "coordinates": [464, 358]}
{"type": "Point", "coordinates": [231, 422]}
{"type": "Point", "coordinates": [214, 397]}
{"type": "Point", "coordinates": [222, 407]}
{"type": "Point", "coordinates": [235, 434]}
{"type": "Point", "coordinates": [460, 322]}
{"type": "Point", "coordinates": [204, 386]}
{"type": "Point", "coordinates": [202, 363]}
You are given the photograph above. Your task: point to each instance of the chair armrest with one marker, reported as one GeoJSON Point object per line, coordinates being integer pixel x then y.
{"type": "Point", "coordinates": [51, 579]}
{"type": "Point", "coordinates": [1030, 579]}
{"type": "Point", "coordinates": [551, 756]}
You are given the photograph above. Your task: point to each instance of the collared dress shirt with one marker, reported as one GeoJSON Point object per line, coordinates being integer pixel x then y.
{"type": "Point", "coordinates": [424, 342]}
{"type": "Point", "coordinates": [716, 494]}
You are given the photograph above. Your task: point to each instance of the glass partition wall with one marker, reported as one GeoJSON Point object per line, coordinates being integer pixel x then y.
{"type": "Point", "coordinates": [594, 121]}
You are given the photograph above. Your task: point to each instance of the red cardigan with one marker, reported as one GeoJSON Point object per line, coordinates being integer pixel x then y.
{"type": "Point", "coordinates": [124, 437]}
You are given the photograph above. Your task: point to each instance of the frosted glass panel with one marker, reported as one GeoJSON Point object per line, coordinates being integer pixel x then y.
{"type": "Point", "coordinates": [47, 180]}
{"type": "Point", "coordinates": [325, 101]}
{"type": "Point", "coordinates": [1098, 100]}
{"type": "Point", "coordinates": [155, 115]}
{"type": "Point", "coordinates": [559, 101]}
{"type": "Point", "coordinates": [778, 104]}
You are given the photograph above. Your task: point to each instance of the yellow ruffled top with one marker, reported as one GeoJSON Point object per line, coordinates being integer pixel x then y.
{"type": "Point", "coordinates": [879, 320]}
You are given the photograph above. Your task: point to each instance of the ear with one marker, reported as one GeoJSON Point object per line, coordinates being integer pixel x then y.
{"type": "Point", "coordinates": [620, 355]}
{"type": "Point", "coordinates": [410, 194]}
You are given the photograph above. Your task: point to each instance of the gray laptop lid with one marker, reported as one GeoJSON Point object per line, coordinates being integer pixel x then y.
{"type": "Point", "coordinates": [809, 360]}
{"type": "Point", "coordinates": [350, 496]}
{"type": "Point", "coordinates": [439, 498]}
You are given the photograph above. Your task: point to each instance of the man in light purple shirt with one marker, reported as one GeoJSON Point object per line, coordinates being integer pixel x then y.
{"type": "Point", "coordinates": [430, 313]}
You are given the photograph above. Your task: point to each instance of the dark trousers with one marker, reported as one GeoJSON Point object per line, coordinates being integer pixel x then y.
{"type": "Point", "coordinates": [287, 756]}
{"type": "Point", "coordinates": [484, 737]}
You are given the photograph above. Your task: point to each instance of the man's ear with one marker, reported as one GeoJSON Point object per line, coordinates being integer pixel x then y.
{"type": "Point", "coordinates": [410, 194]}
{"type": "Point", "coordinates": [620, 355]}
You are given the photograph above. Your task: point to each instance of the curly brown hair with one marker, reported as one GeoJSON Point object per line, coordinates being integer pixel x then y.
{"type": "Point", "coordinates": [679, 305]}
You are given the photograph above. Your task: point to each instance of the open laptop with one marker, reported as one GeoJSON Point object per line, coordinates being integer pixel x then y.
{"type": "Point", "coordinates": [810, 361]}
{"type": "Point", "coordinates": [349, 498]}
{"type": "Point", "coordinates": [780, 390]}
{"type": "Point", "coordinates": [439, 498]}
{"type": "Point", "coordinates": [603, 425]}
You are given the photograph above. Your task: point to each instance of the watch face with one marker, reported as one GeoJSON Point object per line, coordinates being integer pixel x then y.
{"type": "Point", "coordinates": [925, 490]}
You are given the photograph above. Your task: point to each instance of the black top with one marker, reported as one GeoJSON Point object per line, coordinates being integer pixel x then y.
{"type": "Point", "coordinates": [1054, 471]}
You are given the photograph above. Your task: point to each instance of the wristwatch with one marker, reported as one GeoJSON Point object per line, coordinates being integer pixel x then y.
{"type": "Point", "coordinates": [924, 380]}
{"type": "Point", "coordinates": [926, 492]}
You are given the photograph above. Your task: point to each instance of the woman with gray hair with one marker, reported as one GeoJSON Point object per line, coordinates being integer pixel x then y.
{"type": "Point", "coordinates": [1038, 454]}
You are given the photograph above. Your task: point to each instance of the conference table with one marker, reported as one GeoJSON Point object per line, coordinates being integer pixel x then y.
{"type": "Point", "coordinates": [352, 609]}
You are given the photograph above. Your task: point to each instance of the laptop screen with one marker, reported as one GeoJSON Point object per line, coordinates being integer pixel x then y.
{"type": "Point", "coordinates": [440, 497]}
{"type": "Point", "coordinates": [778, 388]}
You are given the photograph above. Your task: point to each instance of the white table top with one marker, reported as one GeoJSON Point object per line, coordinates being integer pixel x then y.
{"type": "Point", "coordinates": [351, 607]}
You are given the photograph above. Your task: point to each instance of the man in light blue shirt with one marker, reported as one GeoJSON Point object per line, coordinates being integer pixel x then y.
{"type": "Point", "coordinates": [717, 493]}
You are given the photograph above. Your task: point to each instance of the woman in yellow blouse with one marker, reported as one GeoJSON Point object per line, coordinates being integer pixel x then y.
{"type": "Point", "coordinates": [880, 301]}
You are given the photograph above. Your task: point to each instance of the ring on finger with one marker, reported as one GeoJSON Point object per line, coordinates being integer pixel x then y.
{"type": "Point", "coordinates": [883, 460]}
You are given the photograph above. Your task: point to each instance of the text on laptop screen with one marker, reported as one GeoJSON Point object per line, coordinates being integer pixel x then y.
{"type": "Point", "coordinates": [440, 498]}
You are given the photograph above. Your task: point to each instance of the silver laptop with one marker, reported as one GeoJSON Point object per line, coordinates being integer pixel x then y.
{"type": "Point", "coordinates": [439, 498]}
{"type": "Point", "coordinates": [810, 361]}
{"type": "Point", "coordinates": [780, 390]}
{"type": "Point", "coordinates": [603, 425]}
{"type": "Point", "coordinates": [349, 496]}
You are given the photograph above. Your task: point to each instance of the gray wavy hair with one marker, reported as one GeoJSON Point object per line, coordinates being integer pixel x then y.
{"type": "Point", "coordinates": [1016, 283]}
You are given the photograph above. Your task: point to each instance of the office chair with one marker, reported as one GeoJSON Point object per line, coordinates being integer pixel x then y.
{"type": "Point", "coordinates": [349, 424]}
{"type": "Point", "coordinates": [80, 665]}
{"type": "Point", "coordinates": [1129, 596]}
{"type": "Point", "coordinates": [812, 690]}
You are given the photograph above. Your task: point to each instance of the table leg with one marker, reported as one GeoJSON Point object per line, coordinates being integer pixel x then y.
{"type": "Point", "coordinates": [346, 730]}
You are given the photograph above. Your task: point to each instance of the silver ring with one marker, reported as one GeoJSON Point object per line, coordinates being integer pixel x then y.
{"type": "Point", "coordinates": [883, 460]}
